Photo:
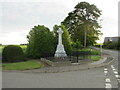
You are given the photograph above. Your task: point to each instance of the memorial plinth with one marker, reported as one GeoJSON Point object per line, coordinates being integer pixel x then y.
{"type": "Point", "coordinates": [60, 51]}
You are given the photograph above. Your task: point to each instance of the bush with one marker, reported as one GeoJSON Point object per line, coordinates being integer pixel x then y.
{"type": "Point", "coordinates": [41, 42]}
{"type": "Point", "coordinates": [12, 53]}
{"type": "Point", "coordinates": [111, 45]}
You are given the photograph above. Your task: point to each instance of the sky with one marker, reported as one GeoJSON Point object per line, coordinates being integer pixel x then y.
{"type": "Point", "coordinates": [19, 16]}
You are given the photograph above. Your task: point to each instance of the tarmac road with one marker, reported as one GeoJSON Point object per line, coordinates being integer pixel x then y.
{"type": "Point", "coordinates": [91, 78]}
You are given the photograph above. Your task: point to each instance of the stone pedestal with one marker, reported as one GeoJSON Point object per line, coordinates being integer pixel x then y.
{"type": "Point", "coordinates": [60, 52]}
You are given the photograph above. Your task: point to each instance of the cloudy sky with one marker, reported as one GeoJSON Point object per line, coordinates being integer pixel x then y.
{"type": "Point", "coordinates": [19, 16]}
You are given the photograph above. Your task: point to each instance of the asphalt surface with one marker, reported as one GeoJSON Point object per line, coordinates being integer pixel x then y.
{"type": "Point", "coordinates": [91, 78]}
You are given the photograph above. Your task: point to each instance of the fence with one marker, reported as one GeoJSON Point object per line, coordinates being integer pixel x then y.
{"type": "Point", "coordinates": [73, 56]}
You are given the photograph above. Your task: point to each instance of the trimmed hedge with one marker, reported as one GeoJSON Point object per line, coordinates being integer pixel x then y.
{"type": "Point", "coordinates": [12, 53]}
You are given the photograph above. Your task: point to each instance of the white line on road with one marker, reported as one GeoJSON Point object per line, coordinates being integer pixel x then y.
{"type": "Point", "coordinates": [112, 66]}
{"type": "Point", "coordinates": [107, 80]}
{"type": "Point", "coordinates": [106, 72]}
{"type": "Point", "coordinates": [108, 85]}
{"type": "Point", "coordinates": [117, 76]}
{"type": "Point", "coordinates": [115, 72]}
{"type": "Point", "coordinates": [105, 69]}
{"type": "Point", "coordinates": [113, 69]}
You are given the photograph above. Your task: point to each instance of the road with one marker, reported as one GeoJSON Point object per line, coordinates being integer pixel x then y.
{"type": "Point", "coordinates": [102, 77]}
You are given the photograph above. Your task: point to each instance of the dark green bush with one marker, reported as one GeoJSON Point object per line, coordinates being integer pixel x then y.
{"type": "Point", "coordinates": [111, 45]}
{"type": "Point", "coordinates": [12, 53]}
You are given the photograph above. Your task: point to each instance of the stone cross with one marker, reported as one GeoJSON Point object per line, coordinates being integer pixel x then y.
{"type": "Point", "coordinates": [60, 51]}
{"type": "Point", "coordinates": [60, 36]}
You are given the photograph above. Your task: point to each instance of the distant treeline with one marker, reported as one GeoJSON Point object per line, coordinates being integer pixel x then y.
{"type": "Point", "coordinates": [111, 45]}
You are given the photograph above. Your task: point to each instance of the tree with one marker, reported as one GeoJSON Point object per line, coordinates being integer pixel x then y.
{"type": "Point", "coordinates": [77, 45]}
{"type": "Point", "coordinates": [82, 23]}
{"type": "Point", "coordinates": [40, 42]}
{"type": "Point", "coordinates": [66, 40]}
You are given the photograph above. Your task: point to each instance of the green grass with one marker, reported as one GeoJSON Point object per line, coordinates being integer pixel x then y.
{"type": "Point", "coordinates": [91, 57]}
{"type": "Point", "coordinates": [88, 51]}
{"type": "Point", "coordinates": [95, 58]}
{"type": "Point", "coordinates": [32, 64]}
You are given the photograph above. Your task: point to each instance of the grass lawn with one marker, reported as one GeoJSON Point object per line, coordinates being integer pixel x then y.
{"type": "Point", "coordinates": [91, 57]}
{"type": "Point", "coordinates": [95, 58]}
{"type": "Point", "coordinates": [32, 64]}
{"type": "Point", "coordinates": [89, 51]}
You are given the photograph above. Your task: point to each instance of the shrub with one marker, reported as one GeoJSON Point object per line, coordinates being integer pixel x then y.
{"type": "Point", "coordinates": [40, 42]}
{"type": "Point", "coordinates": [111, 45]}
{"type": "Point", "coordinates": [12, 53]}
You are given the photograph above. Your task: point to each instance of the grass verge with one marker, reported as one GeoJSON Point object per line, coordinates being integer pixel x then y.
{"type": "Point", "coordinates": [95, 58]}
{"type": "Point", "coordinates": [26, 65]}
{"type": "Point", "coordinates": [91, 57]}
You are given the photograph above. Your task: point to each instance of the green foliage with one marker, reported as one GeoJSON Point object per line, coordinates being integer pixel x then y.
{"type": "Point", "coordinates": [77, 45]}
{"type": "Point", "coordinates": [90, 51]}
{"type": "Point", "coordinates": [23, 48]}
{"type": "Point", "coordinates": [95, 58]}
{"type": "Point", "coordinates": [86, 52]}
{"type": "Point", "coordinates": [84, 19]}
{"type": "Point", "coordinates": [66, 40]}
{"type": "Point", "coordinates": [119, 43]}
{"type": "Point", "coordinates": [12, 53]}
{"type": "Point", "coordinates": [112, 45]}
{"type": "Point", "coordinates": [1, 49]}
{"type": "Point", "coordinates": [41, 42]}
{"type": "Point", "coordinates": [32, 64]}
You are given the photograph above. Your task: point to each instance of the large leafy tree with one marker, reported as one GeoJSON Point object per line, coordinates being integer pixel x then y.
{"type": "Point", "coordinates": [82, 23]}
{"type": "Point", "coordinates": [40, 42]}
{"type": "Point", "coordinates": [66, 40]}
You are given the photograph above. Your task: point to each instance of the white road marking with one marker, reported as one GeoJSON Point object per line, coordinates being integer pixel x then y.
{"type": "Point", "coordinates": [113, 69]}
{"type": "Point", "coordinates": [106, 72]}
{"type": "Point", "coordinates": [108, 85]}
{"type": "Point", "coordinates": [107, 80]}
{"type": "Point", "coordinates": [115, 72]}
{"type": "Point", "coordinates": [105, 69]}
{"type": "Point", "coordinates": [117, 76]}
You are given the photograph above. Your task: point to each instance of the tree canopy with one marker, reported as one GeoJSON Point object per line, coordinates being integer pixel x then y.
{"type": "Point", "coordinates": [82, 23]}
{"type": "Point", "coordinates": [41, 42]}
